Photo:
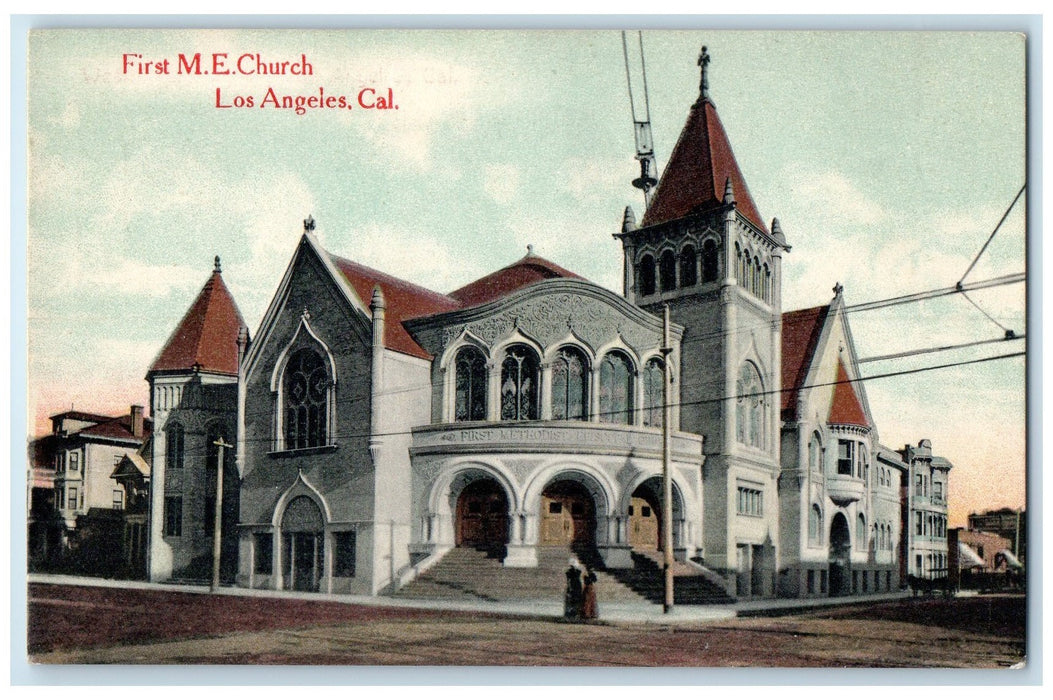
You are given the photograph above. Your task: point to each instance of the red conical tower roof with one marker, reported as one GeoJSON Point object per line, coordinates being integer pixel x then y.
{"type": "Point", "coordinates": [700, 165]}
{"type": "Point", "coordinates": [846, 409]}
{"type": "Point", "coordinates": [208, 334]}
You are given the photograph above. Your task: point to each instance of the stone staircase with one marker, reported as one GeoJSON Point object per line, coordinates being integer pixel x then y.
{"type": "Point", "coordinates": [476, 574]}
{"type": "Point", "coordinates": [690, 587]}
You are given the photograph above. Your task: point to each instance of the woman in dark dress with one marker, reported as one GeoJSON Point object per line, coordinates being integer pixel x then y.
{"type": "Point", "coordinates": [572, 599]}
{"type": "Point", "coordinates": [589, 608]}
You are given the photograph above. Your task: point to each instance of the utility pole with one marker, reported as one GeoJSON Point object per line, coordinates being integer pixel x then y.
{"type": "Point", "coordinates": [667, 477]}
{"type": "Point", "coordinates": [217, 529]}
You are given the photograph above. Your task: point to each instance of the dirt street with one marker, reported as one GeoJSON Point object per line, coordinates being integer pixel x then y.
{"type": "Point", "coordinates": [72, 624]}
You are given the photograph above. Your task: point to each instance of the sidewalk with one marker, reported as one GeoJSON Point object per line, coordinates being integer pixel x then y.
{"type": "Point", "coordinates": [642, 611]}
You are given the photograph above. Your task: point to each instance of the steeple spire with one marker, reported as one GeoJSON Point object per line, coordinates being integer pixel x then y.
{"type": "Point", "coordinates": [703, 85]}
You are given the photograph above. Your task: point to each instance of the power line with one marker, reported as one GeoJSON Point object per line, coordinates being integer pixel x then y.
{"type": "Point", "coordinates": [940, 348]}
{"type": "Point", "coordinates": [996, 228]}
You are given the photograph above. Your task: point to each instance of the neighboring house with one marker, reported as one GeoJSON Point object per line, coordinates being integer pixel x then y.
{"type": "Point", "coordinates": [982, 560]}
{"type": "Point", "coordinates": [927, 481]}
{"type": "Point", "coordinates": [1007, 522]}
{"type": "Point", "coordinates": [379, 424]}
{"type": "Point", "coordinates": [78, 459]}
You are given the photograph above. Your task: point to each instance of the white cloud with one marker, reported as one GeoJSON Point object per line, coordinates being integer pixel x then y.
{"type": "Point", "coordinates": [502, 182]}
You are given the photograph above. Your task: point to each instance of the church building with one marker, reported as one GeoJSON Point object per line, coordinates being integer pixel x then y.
{"type": "Point", "coordinates": [376, 425]}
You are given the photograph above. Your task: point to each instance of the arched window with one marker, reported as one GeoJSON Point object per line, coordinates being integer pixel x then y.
{"type": "Point", "coordinates": [519, 384]}
{"type": "Point", "coordinates": [652, 393]}
{"type": "Point", "coordinates": [470, 368]}
{"type": "Point", "coordinates": [757, 279]}
{"type": "Point", "coordinates": [766, 282]}
{"type": "Point", "coordinates": [174, 446]}
{"type": "Point", "coordinates": [646, 272]}
{"type": "Point", "coordinates": [710, 261]}
{"type": "Point", "coordinates": [861, 532]}
{"type": "Point", "coordinates": [616, 389]}
{"type": "Point", "coordinates": [688, 267]}
{"type": "Point", "coordinates": [815, 453]}
{"type": "Point", "coordinates": [750, 406]}
{"type": "Point", "coordinates": [570, 385]}
{"type": "Point", "coordinates": [667, 271]}
{"type": "Point", "coordinates": [738, 266]}
{"type": "Point", "coordinates": [306, 387]}
{"type": "Point", "coordinates": [815, 526]}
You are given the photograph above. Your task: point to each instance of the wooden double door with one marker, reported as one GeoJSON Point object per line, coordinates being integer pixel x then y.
{"type": "Point", "coordinates": [644, 532]}
{"type": "Point", "coordinates": [482, 515]}
{"type": "Point", "coordinates": [568, 515]}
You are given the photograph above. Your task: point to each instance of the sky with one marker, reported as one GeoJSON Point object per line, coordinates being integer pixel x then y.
{"type": "Point", "coordinates": [889, 158]}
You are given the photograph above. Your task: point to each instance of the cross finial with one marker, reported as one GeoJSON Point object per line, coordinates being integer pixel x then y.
{"type": "Point", "coordinates": [217, 268]}
{"type": "Point", "coordinates": [530, 248]}
{"type": "Point", "coordinates": [703, 63]}
{"type": "Point", "coordinates": [838, 287]}
{"type": "Point", "coordinates": [308, 224]}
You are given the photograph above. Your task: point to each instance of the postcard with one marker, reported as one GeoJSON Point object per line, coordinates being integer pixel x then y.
{"type": "Point", "coordinates": [527, 348]}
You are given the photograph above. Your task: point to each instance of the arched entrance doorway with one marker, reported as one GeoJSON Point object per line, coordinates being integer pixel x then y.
{"type": "Point", "coordinates": [482, 515]}
{"type": "Point", "coordinates": [645, 522]}
{"type": "Point", "coordinates": [840, 556]}
{"type": "Point", "coordinates": [303, 545]}
{"type": "Point", "coordinates": [568, 515]}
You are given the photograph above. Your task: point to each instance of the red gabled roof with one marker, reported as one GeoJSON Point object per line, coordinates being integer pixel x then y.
{"type": "Point", "coordinates": [208, 334]}
{"type": "Point", "coordinates": [846, 408]}
{"type": "Point", "coordinates": [700, 164]}
{"type": "Point", "coordinates": [526, 271]}
{"type": "Point", "coordinates": [800, 335]}
{"type": "Point", "coordinates": [119, 428]}
{"type": "Point", "coordinates": [402, 299]}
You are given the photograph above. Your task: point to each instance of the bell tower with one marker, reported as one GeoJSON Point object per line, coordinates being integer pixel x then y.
{"type": "Point", "coordinates": [703, 248]}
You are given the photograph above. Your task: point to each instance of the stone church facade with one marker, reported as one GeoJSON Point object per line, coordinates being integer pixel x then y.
{"type": "Point", "coordinates": [376, 424]}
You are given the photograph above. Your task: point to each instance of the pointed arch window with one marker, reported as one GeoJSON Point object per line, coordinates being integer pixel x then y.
{"type": "Point", "coordinates": [647, 277]}
{"type": "Point", "coordinates": [616, 389]}
{"type": "Point", "coordinates": [519, 384]}
{"type": "Point", "coordinates": [768, 296]}
{"type": "Point", "coordinates": [815, 453]}
{"type": "Point", "coordinates": [470, 368]}
{"type": "Point", "coordinates": [861, 532]}
{"type": "Point", "coordinates": [757, 280]}
{"type": "Point", "coordinates": [653, 400]}
{"type": "Point", "coordinates": [710, 261]}
{"type": "Point", "coordinates": [306, 387]}
{"type": "Point", "coordinates": [688, 266]}
{"type": "Point", "coordinates": [570, 385]}
{"type": "Point", "coordinates": [750, 406]}
{"type": "Point", "coordinates": [667, 271]}
{"type": "Point", "coordinates": [174, 437]}
{"type": "Point", "coordinates": [815, 526]}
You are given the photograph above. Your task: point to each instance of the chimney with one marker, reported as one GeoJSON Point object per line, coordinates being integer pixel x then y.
{"type": "Point", "coordinates": [137, 422]}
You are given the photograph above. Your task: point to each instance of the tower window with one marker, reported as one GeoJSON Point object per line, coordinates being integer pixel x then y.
{"type": "Point", "coordinates": [667, 271]}
{"type": "Point", "coordinates": [846, 450]}
{"type": "Point", "coordinates": [750, 407]}
{"type": "Point", "coordinates": [647, 277]}
{"type": "Point", "coordinates": [174, 446]}
{"type": "Point", "coordinates": [710, 262]}
{"type": "Point", "coordinates": [688, 267]}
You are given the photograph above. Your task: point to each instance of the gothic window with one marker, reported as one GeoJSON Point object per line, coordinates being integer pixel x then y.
{"type": "Point", "coordinates": [174, 446]}
{"type": "Point", "coordinates": [738, 265]}
{"type": "Point", "coordinates": [519, 384]}
{"type": "Point", "coordinates": [570, 385]}
{"type": "Point", "coordinates": [652, 393]}
{"type": "Point", "coordinates": [470, 368]}
{"type": "Point", "coordinates": [616, 389]}
{"type": "Point", "coordinates": [750, 407]}
{"type": "Point", "coordinates": [861, 532]}
{"type": "Point", "coordinates": [647, 280]}
{"type": "Point", "coordinates": [688, 267]}
{"type": "Point", "coordinates": [710, 261]}
{"type": "Point", "coordinates": [757, 279]}
{"type": "Point", "coordinates": [766, 280]}
{"type": "Point", "coordinates": [306, 400]}
{"type": "Point", "coordinates": [815, 453]}
{"type": "Point", "coordinates": [667, 271]}
{"type": "Point", "coordinates": [815, 526]}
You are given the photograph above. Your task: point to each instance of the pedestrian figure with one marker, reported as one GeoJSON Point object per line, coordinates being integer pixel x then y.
{"type": "Point", "coordinates": [572, 599]}
{"type": "Point", "coordinates": [589, 608]}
